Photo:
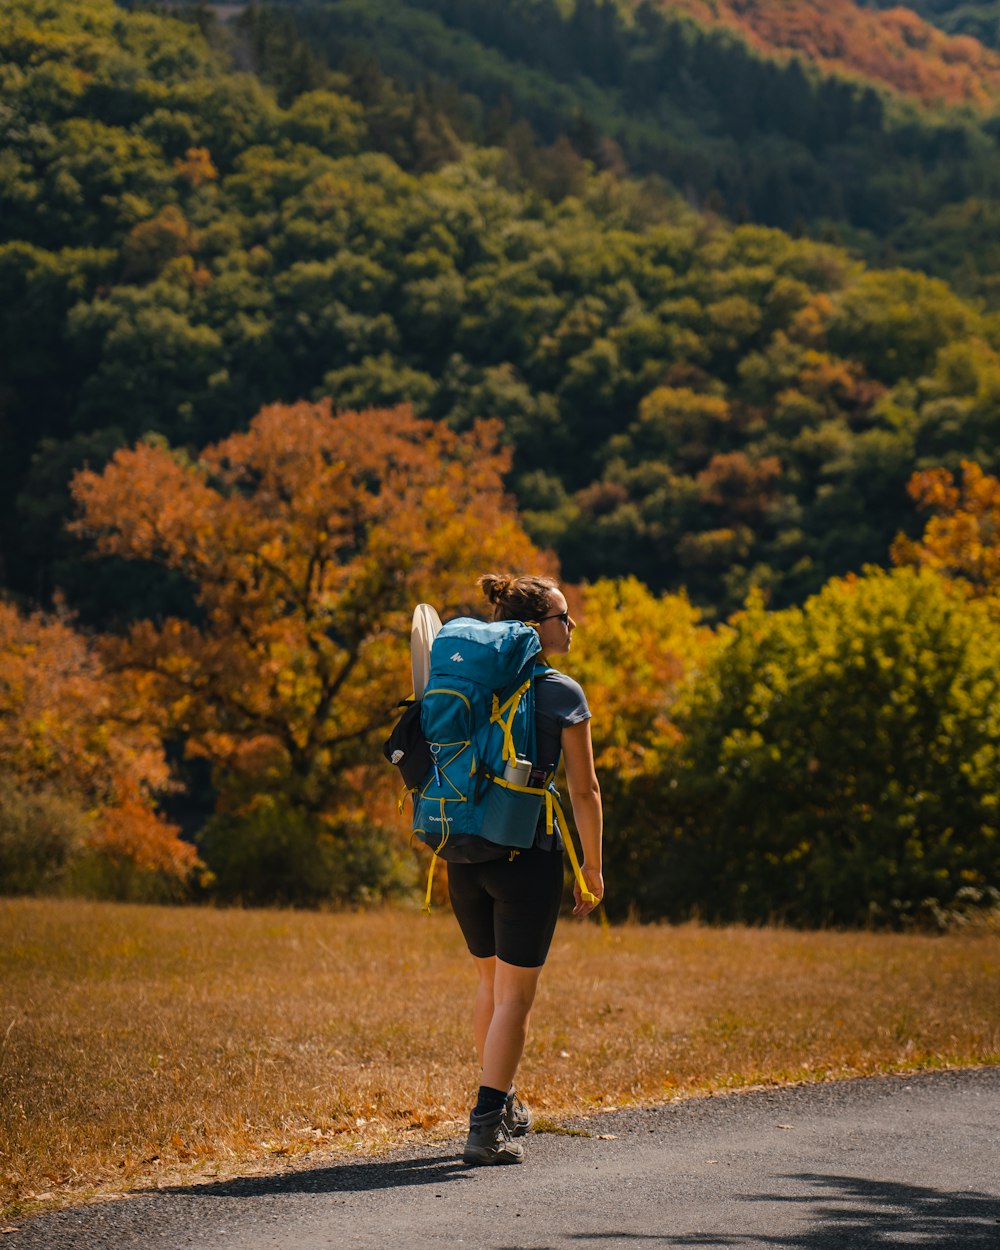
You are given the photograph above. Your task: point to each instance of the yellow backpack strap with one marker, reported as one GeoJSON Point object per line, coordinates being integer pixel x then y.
{"type": "Point", "coordinates": [434, 860]}
{"type": "Point", "coordinates": [430, 883]}
{"type": "Point", "coordinates": [503, 715]}
{"type": "Point", "coordinates": [554, 807]}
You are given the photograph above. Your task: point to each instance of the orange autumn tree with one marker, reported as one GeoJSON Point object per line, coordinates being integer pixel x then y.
{"type": "Point", "coordinates": [79, 764]}
{"type": "Point", "coordinates": [962, 538]}
{"type": "Point", "coordinates": [897, 48]}
{"type": "Point", "coordinates": [307, 541]}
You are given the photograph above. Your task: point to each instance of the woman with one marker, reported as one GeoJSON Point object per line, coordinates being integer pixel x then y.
{"type": "Point", "coordinates": [507, 908]}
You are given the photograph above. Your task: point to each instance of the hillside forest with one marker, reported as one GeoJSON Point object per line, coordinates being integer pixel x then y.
{"type": "Point", "coordinates": [316, 310]}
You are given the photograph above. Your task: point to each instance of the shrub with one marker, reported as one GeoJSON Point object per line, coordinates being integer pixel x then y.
{"type": "Point", "coordinates": [274, 851]}
{"type": "Point", "coordinates": [840, 763]}
{"type": "Point", "coordinates": [39, 836]}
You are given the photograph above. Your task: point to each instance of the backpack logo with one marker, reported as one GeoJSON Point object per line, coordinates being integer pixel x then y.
{"type": "Point", "coordinates": [458, 658]}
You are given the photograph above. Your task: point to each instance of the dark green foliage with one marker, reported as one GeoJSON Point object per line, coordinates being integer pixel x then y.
{"type": "Point", "coordinates": [759, 138]}
{"type": "Point", "coordinates": [277, 853]}
{"type": "Point", "coordinates": [708, 407]}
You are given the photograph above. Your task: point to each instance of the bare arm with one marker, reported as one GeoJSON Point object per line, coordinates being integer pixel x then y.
{"type": "Point", "coordinates": [585, 797]}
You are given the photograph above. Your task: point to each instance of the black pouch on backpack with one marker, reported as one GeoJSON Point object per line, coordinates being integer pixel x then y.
{"type": "Point", "coordinates": [407, 748]}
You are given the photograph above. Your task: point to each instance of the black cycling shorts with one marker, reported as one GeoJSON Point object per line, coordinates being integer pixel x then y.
{"type": "Point", "coordinates": [509, 907]}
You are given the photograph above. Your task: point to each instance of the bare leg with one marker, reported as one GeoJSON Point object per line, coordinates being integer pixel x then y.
{"type": "Point", "coordinates": [503, 1044]}
{"type": "Point", "coordinates": [482, 1012]}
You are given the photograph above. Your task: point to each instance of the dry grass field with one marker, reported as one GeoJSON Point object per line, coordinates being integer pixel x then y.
{"type": "Point", "coordinates": [143, 1045]}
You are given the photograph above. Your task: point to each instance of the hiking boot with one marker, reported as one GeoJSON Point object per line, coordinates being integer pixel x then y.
{"type": "Point", "coordinates": [516, 1116]}
{"type": "Point", "coordinates": [489, 1140]}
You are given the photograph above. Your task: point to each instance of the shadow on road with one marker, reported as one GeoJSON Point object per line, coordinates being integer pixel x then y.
{"type": "Point", "coordinates": [344, 1178]}
{"type": "Point", "coordinates": [862, 1214]}
{"type": "Point", "coordinates": [844, 1213]}
{"type": "Point", "coordinates": [837, 1212]}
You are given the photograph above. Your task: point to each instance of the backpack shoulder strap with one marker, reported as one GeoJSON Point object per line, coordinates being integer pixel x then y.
{"type": "Point", "coordinates": [503, 715]}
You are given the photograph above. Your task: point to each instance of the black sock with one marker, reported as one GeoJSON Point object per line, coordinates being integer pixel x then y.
{"type": "Point", "coordinates": [489, 1100]}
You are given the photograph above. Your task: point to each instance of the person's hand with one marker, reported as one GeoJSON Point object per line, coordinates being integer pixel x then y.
{"type": "Point", "coordinates": [595, 884]}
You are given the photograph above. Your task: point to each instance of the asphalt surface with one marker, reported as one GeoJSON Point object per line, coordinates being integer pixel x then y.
{"type": "Point", "coordinates": [882, 1162]}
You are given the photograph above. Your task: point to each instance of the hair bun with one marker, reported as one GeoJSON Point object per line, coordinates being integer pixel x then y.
{"type": "Point", "coordinates": [517, 597]}
{"type": "Point", "coordinates": [496, 586]}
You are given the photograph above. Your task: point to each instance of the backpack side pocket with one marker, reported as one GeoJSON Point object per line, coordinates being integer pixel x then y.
{"type": "Point", "coordinates": [407, 748]}
{"type": "Point", "coordinates": [511, 816]}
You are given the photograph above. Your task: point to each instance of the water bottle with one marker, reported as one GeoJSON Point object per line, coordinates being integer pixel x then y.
{"type": "Point", "coordinates": [518, 771]}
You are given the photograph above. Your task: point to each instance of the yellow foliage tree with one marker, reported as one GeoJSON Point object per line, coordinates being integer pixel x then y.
{"type": "Point", "coordinates": [633, 653]}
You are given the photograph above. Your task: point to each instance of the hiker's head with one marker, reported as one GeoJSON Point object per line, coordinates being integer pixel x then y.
{"type": "Point", "coordinates": [535, 599]}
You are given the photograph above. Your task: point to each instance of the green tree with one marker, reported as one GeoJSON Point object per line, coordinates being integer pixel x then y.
{"type": "Point", "coordinates": [894, 323]}
{"type": "Point", "coordinates": [838, 763]}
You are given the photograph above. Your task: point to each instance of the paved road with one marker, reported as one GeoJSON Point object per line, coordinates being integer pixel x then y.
{"type": "Point", "coordinates": [885, 1162]}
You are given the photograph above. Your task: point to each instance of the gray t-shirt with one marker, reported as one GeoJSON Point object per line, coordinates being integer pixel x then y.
{"type": "Point", "coordinates": [559, 701]}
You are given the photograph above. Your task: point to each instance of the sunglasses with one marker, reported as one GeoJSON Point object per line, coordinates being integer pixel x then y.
{"type": "Point", "coordinates": [557, 616]}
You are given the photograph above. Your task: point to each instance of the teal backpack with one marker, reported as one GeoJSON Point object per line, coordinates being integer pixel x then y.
{"type": "Point", "coordinates": [477, 716]}
{"type": "Point", "coordinates": [481, 795]}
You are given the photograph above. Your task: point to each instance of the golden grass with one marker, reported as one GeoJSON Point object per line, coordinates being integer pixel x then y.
{"type": "Point", "coordinates": [140, 1045]}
